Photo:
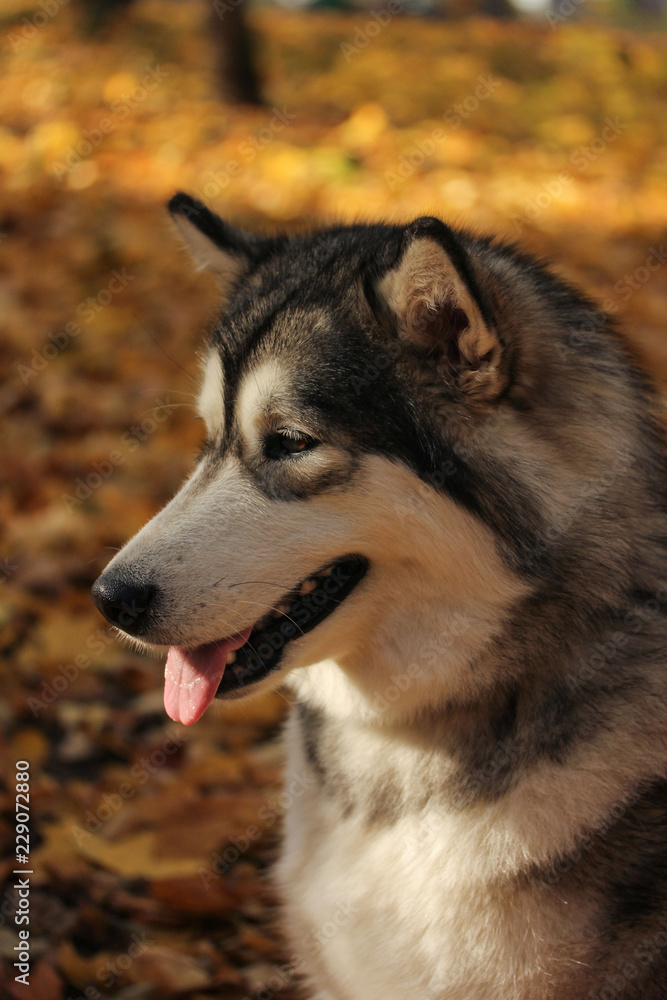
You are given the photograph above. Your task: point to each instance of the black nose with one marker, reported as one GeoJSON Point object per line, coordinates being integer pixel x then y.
{"type": "Point", "coordinates": [123, 602]}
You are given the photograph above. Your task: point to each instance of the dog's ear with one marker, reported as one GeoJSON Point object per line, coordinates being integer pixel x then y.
{"type": "Point", "coordinates": [437, 306]}
{"type": "Point", "coordinates": [214, 245]}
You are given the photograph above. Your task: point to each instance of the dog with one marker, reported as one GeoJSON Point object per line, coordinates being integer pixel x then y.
{"type": "Point", "coordinates": [432, 502]}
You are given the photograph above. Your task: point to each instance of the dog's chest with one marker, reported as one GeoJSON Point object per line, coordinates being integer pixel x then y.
{"type": "Point", "coordinates": [401, 906]}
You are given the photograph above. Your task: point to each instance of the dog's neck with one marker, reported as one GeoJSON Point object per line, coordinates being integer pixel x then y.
{"type": "Point", "coordinates": [493, 769]}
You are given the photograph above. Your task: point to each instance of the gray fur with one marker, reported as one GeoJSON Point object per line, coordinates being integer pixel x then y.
{"type": "Point", "coordinates": [548, 434]}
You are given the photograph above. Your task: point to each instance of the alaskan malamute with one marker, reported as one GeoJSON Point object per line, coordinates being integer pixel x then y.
{"type": "Point", "coordinates": [431, 501]}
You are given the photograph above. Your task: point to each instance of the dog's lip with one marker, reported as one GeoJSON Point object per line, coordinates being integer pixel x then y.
{"type": "Point", "coordinates": [194, 674]}
{"type": "Point", "coordinates": [307, 605]}
{"type": "Point", "coordinates": [277, 611]}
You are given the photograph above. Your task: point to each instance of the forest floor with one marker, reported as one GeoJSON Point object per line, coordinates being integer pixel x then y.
{"type": "Point", "coordinates": [150, 842]}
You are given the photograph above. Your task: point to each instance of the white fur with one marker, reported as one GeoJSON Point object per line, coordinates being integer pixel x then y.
{"type": "Point", "coordinates": [436, 909]}
{"type": "Point", "coordinates": [211, 404]}
{"type": "Point", "coordinates": [425, 918]}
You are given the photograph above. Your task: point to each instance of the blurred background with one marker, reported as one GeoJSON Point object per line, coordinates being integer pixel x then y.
{"type": "Point", "coordinates": [544, 122]}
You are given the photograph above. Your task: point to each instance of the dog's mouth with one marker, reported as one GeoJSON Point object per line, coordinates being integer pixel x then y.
{"type": "Point", "coordinates": [226, 667]}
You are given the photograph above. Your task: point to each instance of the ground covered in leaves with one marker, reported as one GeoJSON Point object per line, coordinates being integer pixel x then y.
{"type": "Point", "coordinates": [149, 842]}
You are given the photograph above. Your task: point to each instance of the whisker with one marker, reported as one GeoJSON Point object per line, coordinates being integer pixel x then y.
{"type": "Point", "coordinates": [169, 406]}
{"type": "Point", "coordinates": [173, 360]}
{"type": "Point", "coordinates": [161, 389]}
{"type": "Point", "coordinates": [273, 608]}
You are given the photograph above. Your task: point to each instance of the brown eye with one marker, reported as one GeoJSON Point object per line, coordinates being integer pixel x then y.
{"type": "Point", "coordinates": [284, 443]}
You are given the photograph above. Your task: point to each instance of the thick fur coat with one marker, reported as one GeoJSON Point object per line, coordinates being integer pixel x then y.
{"type": "Point", "coordinates": [432, 502]}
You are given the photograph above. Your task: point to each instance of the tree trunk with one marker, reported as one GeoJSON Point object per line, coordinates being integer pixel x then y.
{"type": "Point", "coordinates": [236, 74]}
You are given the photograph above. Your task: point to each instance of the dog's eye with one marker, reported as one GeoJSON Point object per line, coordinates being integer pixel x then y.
{"type": "Point", "coordinates": [283, 443]}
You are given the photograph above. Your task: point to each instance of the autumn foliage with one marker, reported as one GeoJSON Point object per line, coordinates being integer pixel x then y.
{"type": "Point", "coordinates": [150, 842]}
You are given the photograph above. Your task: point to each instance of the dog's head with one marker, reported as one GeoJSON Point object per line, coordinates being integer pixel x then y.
{"type": "Point", "coordinates": [398, 427]}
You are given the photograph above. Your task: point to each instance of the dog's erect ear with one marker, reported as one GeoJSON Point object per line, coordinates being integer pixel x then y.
{"type": "Point", "coordinates": [213, 244]}
{"type": "Point", "coordinates": [433, 295]}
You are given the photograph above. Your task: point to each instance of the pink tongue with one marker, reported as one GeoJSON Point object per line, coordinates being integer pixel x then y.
{"type": "Point", "coordinates": [192, 676]}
